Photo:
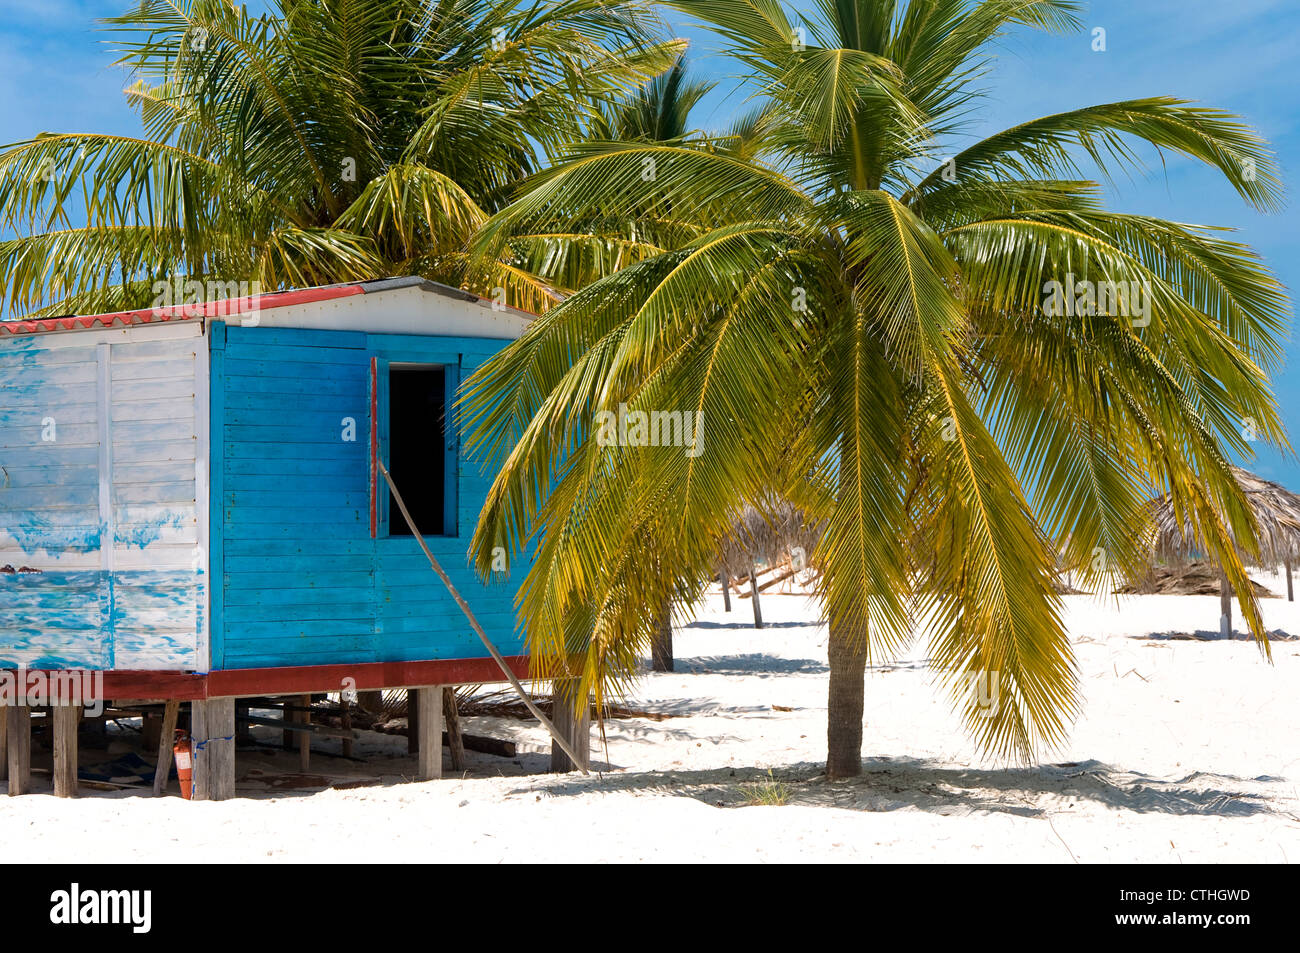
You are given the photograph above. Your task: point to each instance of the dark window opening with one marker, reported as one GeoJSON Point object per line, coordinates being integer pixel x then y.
{"type": "Point", "coordinates": [417, 443]}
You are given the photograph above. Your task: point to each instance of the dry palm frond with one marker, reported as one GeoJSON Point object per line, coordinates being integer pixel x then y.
{"type": "Point", "coordinates": [1197, 578]}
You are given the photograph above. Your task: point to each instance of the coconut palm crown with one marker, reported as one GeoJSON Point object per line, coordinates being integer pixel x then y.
{"type": "Point", "coordinates": [908, 344]}
{"type": "Point", "coordinates": [323, 141]}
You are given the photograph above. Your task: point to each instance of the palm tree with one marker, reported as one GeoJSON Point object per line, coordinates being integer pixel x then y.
{"type": "Point", "coordinates": [868, 330]}
{"type": "Point", "coordinates": [657, 112]}
{"type": "Point", "coordinates": [326, 141]}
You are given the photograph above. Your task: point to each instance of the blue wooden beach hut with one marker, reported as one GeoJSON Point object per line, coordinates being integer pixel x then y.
{"type": "Point", "coordinates": [190, 500]}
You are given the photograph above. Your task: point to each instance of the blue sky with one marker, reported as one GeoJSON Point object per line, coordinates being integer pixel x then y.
{"type": "Point", "coordinates": [1238, 55]}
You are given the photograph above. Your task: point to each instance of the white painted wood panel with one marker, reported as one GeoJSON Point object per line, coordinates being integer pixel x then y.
{"type": "Point", "coordinates": [106, 501]}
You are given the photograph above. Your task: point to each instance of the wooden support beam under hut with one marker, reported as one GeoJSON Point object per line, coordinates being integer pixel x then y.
{"type": "Point", "coordinates": [18, 729]}
{"type": "Point", "coordinates": [67, 719]}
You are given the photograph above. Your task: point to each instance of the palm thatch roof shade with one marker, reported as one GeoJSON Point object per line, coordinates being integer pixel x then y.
{"type": "Point", "coordinates": [1277, 517]}
{"type": "Point", "coordinates": [768, 533]}
{"type": "Point", "coordinates": [1276, 512]}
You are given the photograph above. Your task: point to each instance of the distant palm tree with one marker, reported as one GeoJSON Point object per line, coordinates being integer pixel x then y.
{"type": "Point", "coordinates": [868, 329]}
{"type": "Point", "coordinates": [326, 141]}
{"type": "Point", "coordinates": [657, 112]}
{"type": "Point", "coordinates": [612, 238]}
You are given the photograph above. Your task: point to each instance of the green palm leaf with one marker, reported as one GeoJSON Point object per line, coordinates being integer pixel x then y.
{"type": "Point", "coordinates": [874, 343]}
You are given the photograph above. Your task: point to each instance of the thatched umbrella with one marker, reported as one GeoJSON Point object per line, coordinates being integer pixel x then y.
{"type": "Point", "coordinates": [775, 532]}
{"type": "Point", "coordinates": [1277, 520]}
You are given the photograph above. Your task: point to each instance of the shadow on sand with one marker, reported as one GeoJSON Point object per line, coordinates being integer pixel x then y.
{"type": "Point", "coordinates": [709, 626]}
{"type": "Point", "coordinates": [1204, 635]}
{"type": "Point", "coordinates": [897, 784]}
{"type": "Point", "coordinates": [750, 663]}
{"type": "Point", "coordinates": [762, 663]}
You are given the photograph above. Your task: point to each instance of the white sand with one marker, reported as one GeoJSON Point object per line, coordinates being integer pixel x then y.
{"type": "Point", "coordinates": [1186, 751]}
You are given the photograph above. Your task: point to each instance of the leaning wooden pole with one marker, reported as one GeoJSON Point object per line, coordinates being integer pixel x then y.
{"type": "Point", "coordinates": [478, 629]}
{"type": "Point", "coordinates": [166, 739]}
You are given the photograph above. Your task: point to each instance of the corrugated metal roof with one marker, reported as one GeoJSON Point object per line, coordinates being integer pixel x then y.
{"type": "Point", "coordinates": [231, 306]}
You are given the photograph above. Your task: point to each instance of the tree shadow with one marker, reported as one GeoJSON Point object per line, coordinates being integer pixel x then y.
{"type": "Point", "coordinates": [705, 624]}
{"type": "Point", "coordinates": [669, 708]}
{"type": "Point", "coordinates": [749, 663]}
{"type": "Point", "coordinates": [898, 784]}
{"type": "Point", "coordinates": [1205, 635]}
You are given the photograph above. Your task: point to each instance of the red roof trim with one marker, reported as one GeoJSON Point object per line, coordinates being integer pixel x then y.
{"type": "Point", "coordinates": [182, 312]}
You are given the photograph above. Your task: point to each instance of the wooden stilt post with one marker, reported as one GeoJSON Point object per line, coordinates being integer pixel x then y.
{"type": "Point", "coordinates": [346, 723]}
{"type": "Point", "coordinates": [753, 589]}
{"type": "Point", "coordinates": [286, 736]}
{"type": "Point", "coordinates": [214, 749]}
{"type": "Point", "coordinates": [166, 739]}
{"type": "Point", "coordinates": [429, 714]}
{"type": "Point", "coordinates": [1290, 588]}
{"type": "Point", "coordinates": [1225, 606]}
{"type": "Point", "coordinates": [455, 740]}
{"type": "Point", "coordinates": [67, 719]}
{"type": "Point", "coordinates": [221, 763]}
{"type": "Point", "coordinates": [304, 737]}
{"type": "Point", "coordinates": [199, 732]}
{"type": "Point", "coordinates": [243, 728]}
{"type": "Point", "coordinates": [572, 718]}
{"type": "Point", "coordinates": [412, 721]}
{"type": "Point", "coordinates": [19, 730]}
{"type": "Point", "coordinates": [4, 742]}
{"type": "Point", "coordinates": [150, 730]}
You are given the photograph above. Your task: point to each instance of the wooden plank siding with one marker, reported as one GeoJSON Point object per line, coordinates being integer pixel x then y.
{"type": "Point", "coordinates": [100, 450]}
{"type": "Point", "coordinates": [302, 580]}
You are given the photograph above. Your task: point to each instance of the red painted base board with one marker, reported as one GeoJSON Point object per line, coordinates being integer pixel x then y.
{"type": "Point", "coordinates": [300, 680]}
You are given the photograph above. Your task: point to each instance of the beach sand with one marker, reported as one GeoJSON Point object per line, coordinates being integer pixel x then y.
{"type": "Point", "coordinates": [1187, 750]}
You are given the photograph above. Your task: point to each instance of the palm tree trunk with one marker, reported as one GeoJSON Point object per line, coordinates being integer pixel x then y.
{"type": "Point", "coordinates": [726, 590]}
{"type": "Point", "coordinates": [661, 648]}
{"type": "Point", "coordinates": [753, 592]}
{"type": "Point", "coordinates": [1225, 606]}
{"type": "Point", "coordinates": [848, 664]}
